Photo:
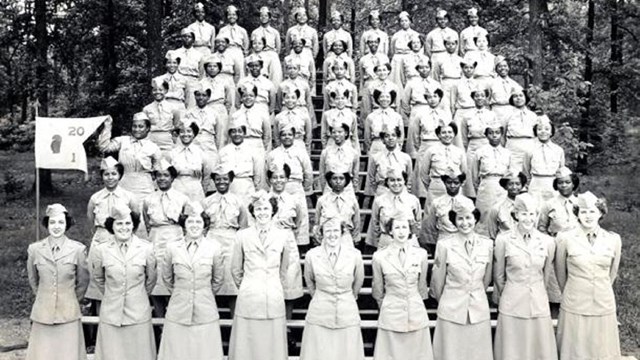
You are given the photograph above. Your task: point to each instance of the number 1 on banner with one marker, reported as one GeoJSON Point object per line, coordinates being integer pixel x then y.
{"type": "Point", "coordinates": [73, 157]}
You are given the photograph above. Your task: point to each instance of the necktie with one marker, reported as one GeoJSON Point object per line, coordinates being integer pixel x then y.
{"type": "Point", "coordinates": [568, 208]}
{"type": "Point", "coordinates": [263, 236]}
{"type": "Point", "coordinates": [402, 256]}
{"type": "Point", "coordinates": [526, 238]}
{"type": "Point", "coordinates": [124, 247]}
{"type": "Point", "coordinates": [192, 247]}
{"type": "Point", "coordinates": [200, 27]}
{"type": "Point", "coordinates": [544, 153]}
{"type": "Point", "coordinates": [339, 204]}
{"type": "Point", "coordinates": [159, 110]}
{"type": "Point", "coordinates": [392, 157]}
{"type": "Point", "coordinates": [165, 203]}
{"type": "Point", "coordinates": [340, 153]}
{"type": "Point", "coordinates": [333, 258]}
{"type": "Point", "coordinates": [592, 238]}
{"type": "Point", "coordinates": [55, 249]}
{"type": "Point", "coordinates": [447, 154]}
{"type": "Point", "coordinates": [468, 245]}
{"type": "Point", "coordinates": [397, 201]}
{"type": "Point", "coordinates": [110, 202]}
{"type": "Point", "coordinates": [232, 34]}
{"type": "Point", "coordinates": [221, 206]}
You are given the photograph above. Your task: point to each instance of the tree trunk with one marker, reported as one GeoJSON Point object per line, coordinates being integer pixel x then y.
{"type": "Point", "coordinates": [109, 60]}
{"type": "Point", "coordinates": [536, 9]}
{"type": "Point", "coordinates": [616, 56]}
{"type": "Point", "coordinates": [154, 36]}
{"type": "Point", "coordinates": [41, 81]}
{"type": "Point", "coordinates": [585, 121]}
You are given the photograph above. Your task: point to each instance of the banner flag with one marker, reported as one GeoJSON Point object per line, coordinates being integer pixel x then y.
{"type": "Point", "coordinates": [59, 141]}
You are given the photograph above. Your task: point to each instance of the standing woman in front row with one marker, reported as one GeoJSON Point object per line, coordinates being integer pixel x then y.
{"type": "Point", "coordinates": [193, 272]}
{"type": "Point", "coordinates": [399, 287]}
{"type": "Point", "coordinates": [587, 260]}
{"type": "Point", "coordinates": [259, 268]}
{"type": "Point", "coordinates": [58, 275]}
{"type": "Point", "coordinates": [124, 269]}
{"type": "Point", "coordinates": [523, 266]}
{"type": "Point", "coordinates": [461, 275]}
{"type": "Point", "coordinates": [334, 275]}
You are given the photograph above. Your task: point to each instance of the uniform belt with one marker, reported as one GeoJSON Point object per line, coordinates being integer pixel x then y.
{"type": "Point", "coordinates": [541, 175]}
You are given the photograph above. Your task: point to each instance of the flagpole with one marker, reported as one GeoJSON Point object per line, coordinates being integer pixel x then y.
{"type": "Point", "coordinates": [36, 105]}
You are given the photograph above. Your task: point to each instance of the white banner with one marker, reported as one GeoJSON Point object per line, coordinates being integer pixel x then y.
{"type": "Point", "coordinates": [59, 141]}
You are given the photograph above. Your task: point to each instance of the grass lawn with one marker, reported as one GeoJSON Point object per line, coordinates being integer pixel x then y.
{"type": "Point", "coordinates": [18, 229]}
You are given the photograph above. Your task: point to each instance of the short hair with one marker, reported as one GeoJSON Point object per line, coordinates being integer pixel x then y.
{"type": "Point", "coordinates": [182, 219]}
{"type": "Point", "coordinates": [329, 174]}
{"type": "Point", "coordinates": [526, 98]}
{"type": "Point", "coordinates": [274, 206]}
{"type": "Point", "coordinates": [452, 125]}
{"type": "Point", "coordinates": [535, 130]}
{"type": "Point", "coordinates": [231, 175]}
{"type": "Point", "coordinates": [344, 126]}
{"type": "Point", "coordinates": [462, 177]}
{"type": "Point", "coordinates": [285, 167]}
{"type": "Point", "coordinates": [243, 127]}
{"type": "Point", "coordinates": [574, 179]}
{"type": "Point", "coordinates": [172, 171]}
{"type": "Point", "coordinates": [601, 205]}
{"type": "Point", "coordinates": [67, 218]}
{"type": "Point", "coordinates": [119, 168]}
{"type": "Point", "coordinates": [147, 122]}
{"type": "Point", "coordinates": [177, 59]}
{"type": "Point", "coordinates": [475, 40]}
{"type": "Point", "coordinates": [135, 219]}
{"type": "Point", "coordinates": [194, 127]}
{"type": "Point", "coordinates": [396, 130]}
{"type": "Point", "coordinates": [486, 130]}
{"type": "Point", "coordinates": [405, 177]}
{"type": "Point", "coordinates": [377, 93]}
{"type": "Point", "coordinates": [254, 90]}
{"type": "Point", "coordinates": [344, 45]}
{"type": "Point", "coordinates": [389, 225]}
{"type": "Point", "coordinates": [521, 177]}
{"type": "Point", "coordinates": [344, 227]}
{"type": "Point", "coordinates": [293, 130]}
{"type": "Point", "coordinates": [485, 91]}
{"type": "Point", "coordinates": [387, 65]}
{"type": "Point", "coordinates": [453, 214]}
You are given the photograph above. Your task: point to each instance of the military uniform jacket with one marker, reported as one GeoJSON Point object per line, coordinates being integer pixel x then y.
{"type": "Point", "coordinates": [58, 281]}
{"type": "Point", "coordinates": [126, 281]}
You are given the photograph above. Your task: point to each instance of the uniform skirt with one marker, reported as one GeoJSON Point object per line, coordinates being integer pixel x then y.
{"type": "Point", "coordinates": [418, 188]}
{"type": "Point", "coordinates": [56, 342]}
{"type": "Point", "coordinates": [435, 190]}
{"type": "Point", "coordinates": [321, 343]}
{"type": "Point", "coordinates": [101, 235]}
{"type": "Point", "coordinates": [453, 341]}
{"type": "Point", "coordinates": [518, 338]}
{"type": "Point", "coordinates": [472, 147]}
{"type": "Point", "coordinates": [447, 86]}
{"type": "Point", "coordinates": [140, 184]}
{"type": "Point", "coordinates": [413, 345]}
{"type": "Point", "coordinates": [293, 287]}
{"type": "Point", "coordinates": [163, 139]}
{"type": "Point", "coordinates": [159, 237]}
{"type": "Point", "coordinates": [520, 148]}
{"type": "Point", "coordinates": [264, 339]}
{"type": "Point", "coordinates": [225, 238]}
{"type": "Point", "coordinates": [397, 68]}
{"type": "Point", "coordinates": [189, 186]}
{"type": "Point", "coordinates": [489, 193]}
{"type": "Point", "coordinates": [222, 116]}
{"type": "Point", "coordinates": [502, 113]}
{"type": "Point", "coordinates": [243, 188]}
{"type": "Point", "coordinates": [193, 342]}
{"type": "Point", "coordinates": [376, 147]}
{"type": "Point", "coordinates": [229, 79]}
{"type": "Point", "coordinates": [588, 337]}
{"type": "Point", "coordinates": [130, 342]}
{"type": "Point", "coordinates": [275, 70]}
{"type": "Point", "coordinates": [413, 128]}
{"type": "Point", "coordinates": [541, 187]}
{"type": "Point", "coordinates": [296, 189]}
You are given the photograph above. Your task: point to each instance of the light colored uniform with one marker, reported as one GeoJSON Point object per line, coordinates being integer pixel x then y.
{"type": "Point", "coordinates": [367, 64]}
{"type": "Point", "coordinates": [400, 48]}
{"type": "Point", "coordinates": [467, 45]}
{"type": "Point", "coordinates": [400, 288]}
{"type": "Point", "coordinates": [221, 103]}
{"type": "Point", "coordinates": [488, 166]}
{"type": "Point", "coordinates": [297, 118]}
{"type": "Point", "coordinates": [238, 43]}
{"type": "Point", "coordinates": [448, 72]}
{"type": "Point", "coordinates": [177, 87]}
{"type": "Point", "coordinates": [519, 134]}
{"type": "Point", "coordinates": [436, 162]}
{"type": "Point", "coordinates": [332, 324]}
{"type": "Point", "coordinates": [205, 35]}
{"type": "Point", "coordinates": [343, 156]}
{"type": "Point", "coordinates": [248, 167]}
{"type": "Point", "coordinates": [211, 132]}
{"type": "Point", "coordinates": [385, 207]}
{"type": "Point", "coordinates": [335, 118]}
{"type": "Point", "coordinates": [459, 281]}
{"type": "Point", "coordinates": [126, 278]}
{"type": "Point", "coordinates": [344, 206]}
{"type": "Point", "coordinates": [541, 166]}
{"type": "Point", "coordinates": [193, 169]}
{"type": "Point", "coordinates": [383, 46]}
{"type": "Point", "coordinates": [472, 129]}
{"type": "Point", "coordinates": [340, 86]}
{"type": "Point", "coordinates": [310, 36]}
{"type": "Point", "coordinates": [189, 67]}
{"type": "Point", "coordinates": [485, 70]}
{"type": "Point", "coordinates": [193, 276]}
{"type": "Point", "coordinates": [378, 121]}
{"type": "Point", "coordinates": [334, 35]}
{"type": "Point", "coordinates": [500, 219]}
{"type": "Point", "coordinates": [271, 51]}
{"type": "Point", "coordinates": [259, 270]}
{"type": "Point", "coordinates": [462, 103]}
{"type": "Point", "coordinates": [437, 226]}
{"type": "Point", "coordinates": [327, 67]}
{"type": "Point", "coordinates": [307, 67]}
{"type": "Point", "coordinates": [379, 166]}
{"type": "Point", "coordinates": [501, 89]}
{"type": "Point", "coordinates": [58, 276]}
{"type": "Point", "coordinates": [414, 102]}
{"type": "Point", "coordinates": [434, 46]}
{"type": "Point", "coordinates": [587, 325]}
{"type": "Point", "coordinates": [161, 114]}
{"type": "Point", "coordinates": [521, 271]}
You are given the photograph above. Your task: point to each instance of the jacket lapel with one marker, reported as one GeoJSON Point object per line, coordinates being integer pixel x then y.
{"type": "Point", "coordinates": [134, 248]}
{"type": "Point", "coordinates": [46, 250]}
{"type": "Point", "coordinates": [183, 253]}
{"type": "Point", "coordinates": [113, 249]}
{"type": "Point", "coordinates": [392, 256]}
{"type": "Point", "coordinates": [65, 250]}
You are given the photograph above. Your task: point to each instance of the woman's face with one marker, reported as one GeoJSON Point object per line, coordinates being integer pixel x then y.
{"type": "Point", "coordinates": [452, 185]}
{"type": "Point", "coordinates": [212, 69]}
{"type": "Point", "coordinates": [290, 100]}
{"type": "Point", "coordinates": [339, 70]}
{"type": "Point", "coordinates": [236, 135]}
{"type": "Point", "coordinates": [110, 178]}
{"type": "Point", "coordinates": [384, 100]}
{"type": "Point", "coordinates": [416, 45]}
{"type": "Point", "coordinates": [286, 137]}
{"type": "Point", "coordinates": [565, 186]}
{"type": "Point", "coordinates": [341, 101]}
{"type": "Point", "coordinates": [336, 22]}
{"type": "Point", "coordinates": [164, 179]}
{"type": "Point", "coordinates": [339, 135]}
{"type": "Point", "coordinates": [405, 23]}
{"type": "Point", "coordinates": [199, 13]}
{"type": "Point", "coordinates": [139, 129]}
{"type": "Point", "coordinates": [232, 18]}
{"type": "Point", "coordinates": [494, 135]}
{"type": "Point", "coordinates": [375, 22]}
{"type": "Point", "coordinates": [514, 188]}
{"type": "Point", "coordinates": [302, 18]}
{"type": "Point", "coordinates": [503, 69]}
{"type": "Point", "coordinates": [442, 21]}
{"type": "Point", "coordinates": [450, 46]}
{"type": "Point", "coordinates": [172, 66]}
{"type": "Point", "coordinates": [465, 222]}
{"type": "Point", "coordinates": [480, 98]}
{"type": "Point", "coordinates": [279, 180]}
{"type": "Point", "coordinates": [424, 70]}
{"type": "Point", "coordinates": [395, 184]}
{"type": "Point", "coordinates": [248, 99]}
{"type": "Point", "coordinates": [468, 70]}
{"type": "Point", "coordinates": [257, 45]}
{"type": "Point", "coordinates": [264, 18]}
{"type": "Point", "coordinates": [482, 43]}
{"type": "Point", "coordinates": [337, 47]}
{"type": "Point", "coordinates": [202, 98]}
{"type": "Point", "coordinates": [123, 229]}
{"type": "Point", "coordinates": [382, 72]}
{"type": "Point", "coordinates": [254, 69]}
{"type": "Point", "coordinates": [194, 226]}
{"type": "Point", "coordinates": [297, 46]}
{"type": "Point", "coordinates": [331, 234]}
{"type": "Point", "coordinates": [544, 132]}
{"type": "Point", "coordinates": [390, 140]}
{"type": "Point", "coordinates": [222, 182]}
{"type": "Point", "coordinates": [293, 71]}
{"type": "Point", "coordinates": [221, 45]}
{"type": "Point", "coordinates": [519, 100]}
{"type": "Point", "coordinates": [187, 40]}
{"type": "Point", "coordinates": [433, 100]}
{"type": "Point", "coordinates": [263, 212]}
{"type": "Point", "coordinates": [373, 46]}
{"type": "Point", "coordinates": [400, 230]}
{"type": "Point", "coordinates": [338, 182]}
{"type": "Point", "coordinates": [473, 19]}
{"type": "Point", "coordinates": [57, 225]}
{"type": "Point", "coordinates": [186, 135]}
{"type": "Point", "coordinates": [158, 92]}
{"type": "Point", "coordinates": [589, 216]}
{"type": "Point", "coordinates": [446, 135]}
{"type": "Point", "coordinates": [526, 220]}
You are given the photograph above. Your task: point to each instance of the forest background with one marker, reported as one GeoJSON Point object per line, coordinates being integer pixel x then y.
{"type": "Point", "coordinates": [75, 58]}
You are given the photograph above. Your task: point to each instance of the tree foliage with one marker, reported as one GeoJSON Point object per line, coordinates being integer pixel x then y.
{"type": "Point", "coordinates": [100, 61]}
